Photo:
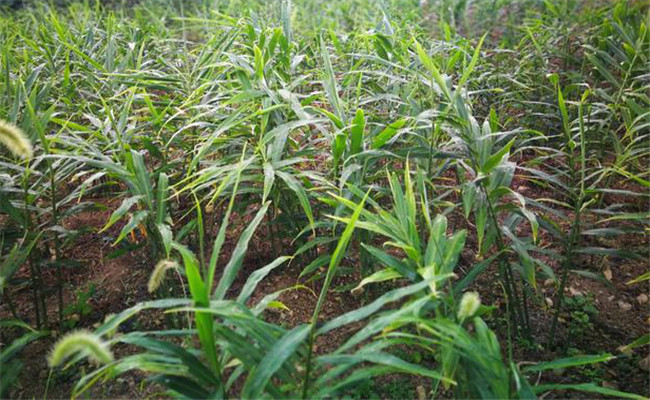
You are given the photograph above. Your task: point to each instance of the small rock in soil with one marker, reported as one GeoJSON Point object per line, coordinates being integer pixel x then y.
{"type": "Point", "coordinates": [422, 394]}
{"type": "Point", "coordinates": [645, 364]}
{"type": "Point", "coordinates": [610, 385]}
{"type": "Point", "coordinates": [608, 274]}
{"type": "Point", "coordinates": [624, 305]}
{"type": "Point", "coordinates": [642, 298]}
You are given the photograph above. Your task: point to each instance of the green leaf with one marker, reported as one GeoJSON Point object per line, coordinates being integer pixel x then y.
{"type": "Point", "coordinates": [284, 348]}
{"type": "Point", "coordinates": [603, 70]}
{"type": "Point", "coordinates": [278, 137]}
{"type": "Point", "coordinates": [278, 305]}
{"type": "Point", "coordinates": [295, 185]}
{"type": "Point", "coordinates": [564, 113]}
{"type": "Point", "coordinates": [640, 278]}
{"type": "Point", "coordinates": [182, 385]}
{"type": "Point", "coordinates": [364, 375]}
{"type": "Point", "coordinates": [388, 133]}
{"type": "Point", "coordinates": [356, 133]}
{"type": "Point", "coordinates": [269, 178]}
{"type": "Point", "coordinates": [470, 68]}
{"type": "Point", "coordinates": [365, 311]}
{"type": "Point", "coordinates": [161, 197]}
{"type": "Point", "coordinates": [383, 275]}
{"type": "Point", "coordinates": [474, 273]}
{"type": "Point", "coordinates": [255, 278]}
{"type": "Point", "coordinates": [259, 63]}
{"type": "Point", "coordinates": [121, 211]}
{"type": "Point", "coordinates": [17, 344]}
{"type": "Point", "coordinates": [642, 341]}
{"type": "Point", "coordinates": [469, 191]}
{"type": "Point", "coordinates": [569, 362]}
{"type": "Point", "coordinates": [524, 390]}
{"type": "Point", "coordinates": [16, 257]}
{"type": "Point", "coordinates": [433, 69]}
{"type": "Point", "coordinates": [196, 368]}
{"type": "Point", "coordinates": [221, 235]}
{"type": "Point", "coordinates": [237, 257]}
{"type": "Point", "coordinates": [337, 257]}
{"type": "Point", "coordinates": [7, 208]}
{"type": "Point", "coordinates": [336, 120]}
{"type": "Point", "coordinates": [135, 220]}
{"type": "Point", "coordinates": [338, 148]}
{"type": "Point", "coordinates": [200, 295]}
{"type": "Point", "coordinates": [495, 159]}
{"type": "Point", "coordinates": [391, 262]}
{"type": "Point", "coordinates": [379, 323]}
{"type": "Point", "coordinates": [589, 388]}
{"type": "Point", "coordinates": [387, 360]}
{"type": "Point", "coordinates": [316, 263]}
{"type": "Point", "coordinates": [329, 82]}
{"type": "Point", "coordinates": [167, 237]}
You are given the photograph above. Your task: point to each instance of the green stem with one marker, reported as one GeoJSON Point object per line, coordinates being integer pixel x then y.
{"type": "Point", "coordinates": [566, 265]}
{"type": "Point", "coordinates": [506, 268]}
{"type": "Point", "coordinates": [574, 235]}
{"type": "Point", "coordinates": [57, 244]}
{"type": "Point", "coordinates": [33, 270]}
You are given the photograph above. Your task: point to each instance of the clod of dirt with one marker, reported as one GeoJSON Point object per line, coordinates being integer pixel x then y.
{"type": "Point", "coordinates": [642, 298]}
{"type": "Point", "coordinates": [645, 364]}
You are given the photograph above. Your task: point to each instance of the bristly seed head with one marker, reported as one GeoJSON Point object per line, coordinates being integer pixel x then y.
{"type": "Point", "coordinates": [15, 140]}
{"type": "Point", "coordinates": [469, 304]}
{"type": "Point", "coordinates": [158, 274]}
{"type": "Point", "coordinates": [80, 341]}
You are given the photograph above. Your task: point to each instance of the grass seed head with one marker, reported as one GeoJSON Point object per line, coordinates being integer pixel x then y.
{"type": "Point", "coordinates": [469, 304]}
{"type": "Point", "coordinates": [15, 140]}
{"type": "Point", "coordinates": [158, 274]}
{"type": "Point", "coordinates": [80, 341]}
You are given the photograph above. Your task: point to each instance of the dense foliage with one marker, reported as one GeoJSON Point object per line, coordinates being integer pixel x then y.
{"type": "Point", "coordinates": [451, 164]}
